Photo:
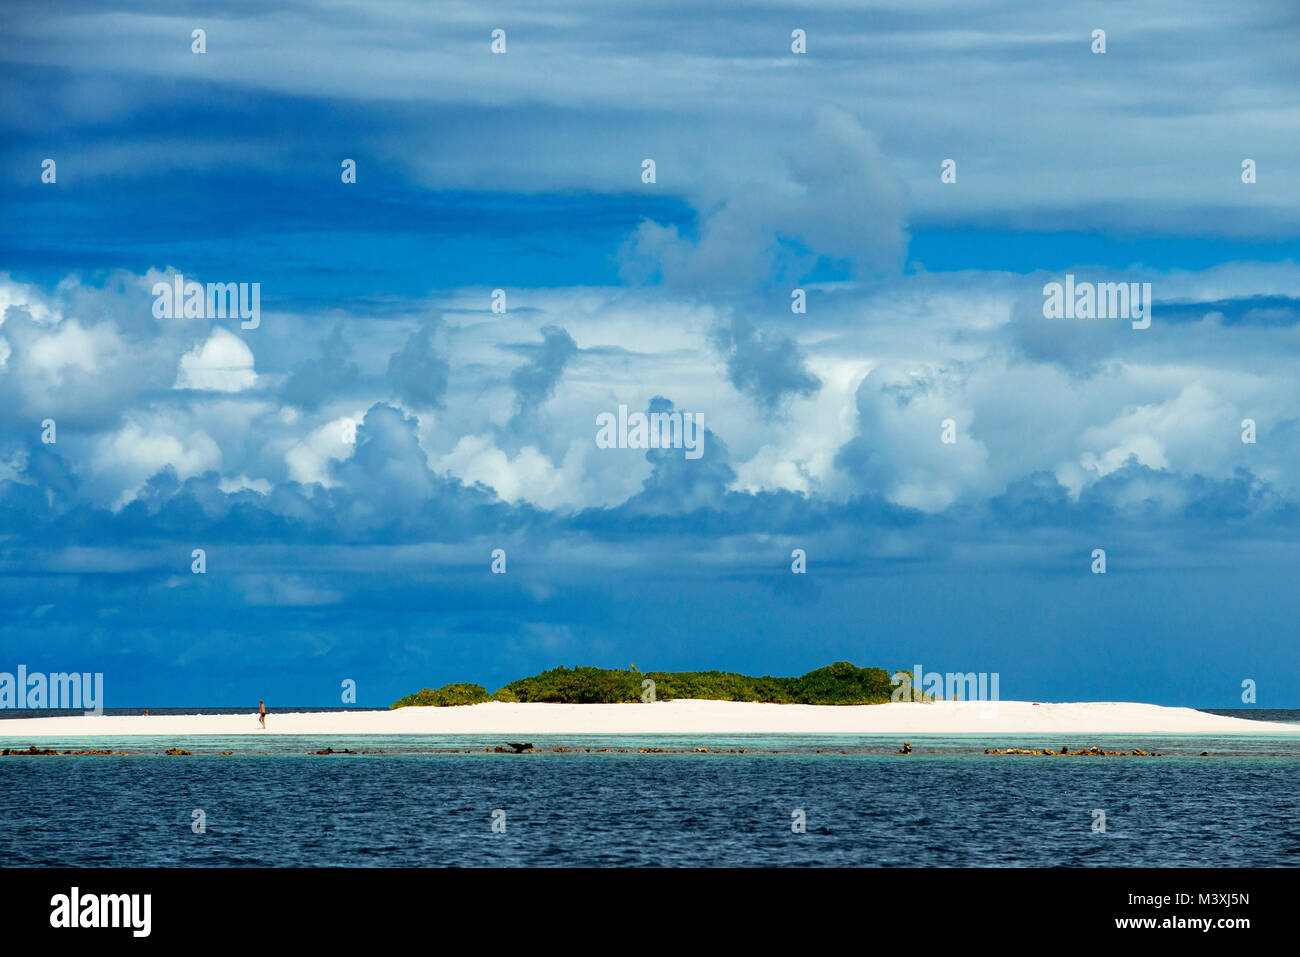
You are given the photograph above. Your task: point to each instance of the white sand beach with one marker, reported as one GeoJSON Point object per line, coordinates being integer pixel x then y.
{"type": "Point", "coordinates": [675, 717]}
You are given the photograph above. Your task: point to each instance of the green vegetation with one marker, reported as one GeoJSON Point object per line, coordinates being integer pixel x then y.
{"type": "Point", "coordinates": [446, 696]}
{"type": "Point", "coordinates": [840, 683]}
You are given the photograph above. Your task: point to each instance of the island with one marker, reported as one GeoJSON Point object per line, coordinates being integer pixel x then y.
{"type": "Point", "coordinates": [841, 683]}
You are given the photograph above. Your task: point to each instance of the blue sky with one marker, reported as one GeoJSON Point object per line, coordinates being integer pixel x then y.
{"type": "Point", "coordinates": [475, 430]}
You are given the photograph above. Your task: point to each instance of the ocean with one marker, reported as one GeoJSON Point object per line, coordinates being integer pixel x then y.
{"type": "Point", "coordinates": [421, 800]}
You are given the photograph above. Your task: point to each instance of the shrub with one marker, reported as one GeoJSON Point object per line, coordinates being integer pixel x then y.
{"type": "Point", "coordinates": [447, 696]}
{"type": "Point", "coordinates": [840, 683]}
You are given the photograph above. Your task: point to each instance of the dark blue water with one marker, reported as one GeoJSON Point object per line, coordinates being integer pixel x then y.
{"type": "Point", "coordinates": [1257, 714]}
{"type": "Point", "coordinates": [191, 709]}
{"type": "Point", "coordinates": [420, 804]}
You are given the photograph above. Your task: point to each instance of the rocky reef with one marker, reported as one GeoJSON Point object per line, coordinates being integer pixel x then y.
{"type": "Point", "coordinates": [1083, 752]}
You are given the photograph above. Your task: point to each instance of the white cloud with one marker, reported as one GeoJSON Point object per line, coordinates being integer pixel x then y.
{"type": "Point", "coordinates": [529, 476]}
{"type": "Point", "coordinates": [135, 453]}
{"type": "Point", "coordinates": [798, 453]}
{"type": "Point", "coordinates": [24, 297]}
{"type": "Point", "coordinates": [936, 346]}
{"type": "Point", "coordinates": [72, 345]}
{"type": "Point", "coordinates": [222, 364]}
{"type": "Point", "coordinates": [237, 483]}
{"type": "Point", "coordinates": [724, 111]}
{"type": "Point", "coordinates": [309, 459]}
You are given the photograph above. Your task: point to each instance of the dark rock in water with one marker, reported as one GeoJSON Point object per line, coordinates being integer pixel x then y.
{"type": "Point", "coordinates": [519, 748]}
{"type": "Point", "coordinates": [1094, 751]}
{"type": "Point", "coordinates": [31, 750]}
{"type": "Point", "coordinates": [177, 751]}
{"type": "Point", "coordinates": [1205, 754]}
{"type": "Point", "coordinates": [905, 749]}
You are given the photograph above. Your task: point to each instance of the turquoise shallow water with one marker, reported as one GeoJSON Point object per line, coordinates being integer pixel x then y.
{"type": "Point", "coordinates": [418, 804]}
{"type": "Point", "coordinates": [925, 746]}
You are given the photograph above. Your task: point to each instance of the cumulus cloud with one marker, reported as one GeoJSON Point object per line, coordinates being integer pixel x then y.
{"type": "Point", "coordinates": [138, 451]}
{"type": "Point", "coordinates": [768, 367]}
{"type": "Point", "coordinates": [78, 353]}
{"type": "Point", "coordinates": [223, 363]}
{"type": "Point", "coordinates": [678, 484]}
{"type": "Point", "coordinates": [534, 382]}
{"type": "Point", "coordinates": [899, 451]}
{"type": "Point", "coordinates": [309, 459]}
{"type": "Point", "coordinates": [327, 459]}
{"type": "Point", "coordinates": [832, 195]}
{"type": "Point", "coordinates": [871, 395]}
{"type": "Point", "coordinates": [528, 476]}
{"type": "Point", "coordinates": [388, 464]}
{"type": "Point", "coordinates": [418, 373]}
{"type": "Point", "coordinates": [326, 375]}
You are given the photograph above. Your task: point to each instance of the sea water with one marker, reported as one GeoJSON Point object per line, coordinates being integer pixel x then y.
{"type": "Point", "coordinates": [444, 800]}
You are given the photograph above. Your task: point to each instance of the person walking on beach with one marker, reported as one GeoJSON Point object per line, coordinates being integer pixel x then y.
{"type": "Point", "coordinates": [261, 713]}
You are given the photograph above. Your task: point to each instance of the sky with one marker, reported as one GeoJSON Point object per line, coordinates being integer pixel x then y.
{"type": "Point", "coordinates": [349, 465]}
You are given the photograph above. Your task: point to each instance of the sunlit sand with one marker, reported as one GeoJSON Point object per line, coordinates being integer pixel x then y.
{"type": "Point", "coordinates": [677, 717]}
